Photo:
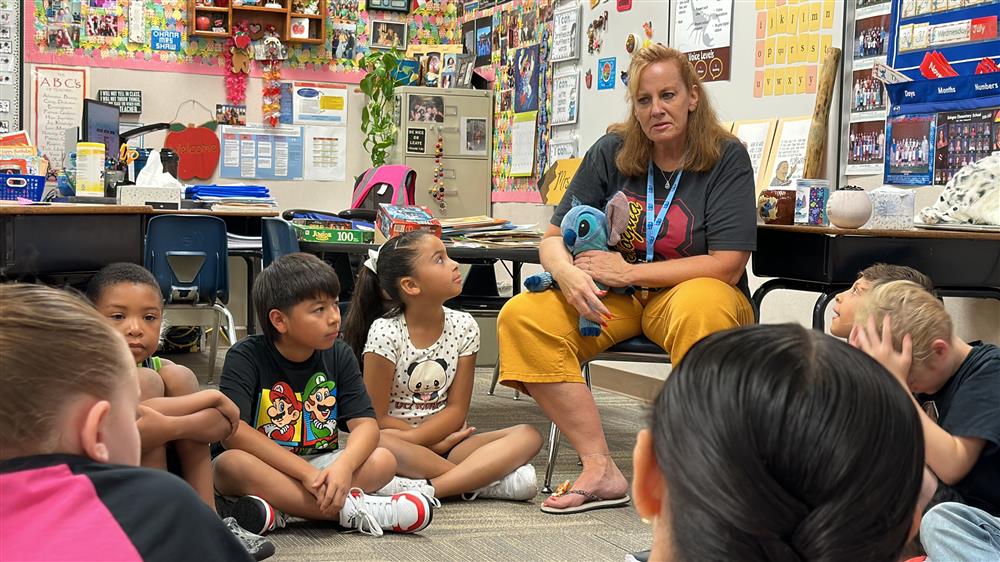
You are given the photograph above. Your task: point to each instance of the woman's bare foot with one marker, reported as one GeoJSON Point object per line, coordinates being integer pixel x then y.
{"type": "Point", "coordinates": [600, 477]}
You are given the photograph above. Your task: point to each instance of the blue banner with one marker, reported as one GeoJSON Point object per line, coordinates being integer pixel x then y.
{"type": "Point", "coordinates": [906, 51]}
{"type": "Point", "coordinates": [165, 40]}
{"type": "Point", "coordinates": [944, 94]}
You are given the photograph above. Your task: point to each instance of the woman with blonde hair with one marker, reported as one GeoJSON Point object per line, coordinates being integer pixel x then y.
{"type": "Point", "coordinates": [690, 191]}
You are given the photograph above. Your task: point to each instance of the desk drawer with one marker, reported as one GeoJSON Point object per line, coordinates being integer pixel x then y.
{"type": "Point", "coordinates": [51, 244]}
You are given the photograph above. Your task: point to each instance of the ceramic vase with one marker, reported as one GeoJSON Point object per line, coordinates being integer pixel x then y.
{"type": "Point", "coordinates": [776, 206]}
{"type": "Point", "coordinates": [849, 209]}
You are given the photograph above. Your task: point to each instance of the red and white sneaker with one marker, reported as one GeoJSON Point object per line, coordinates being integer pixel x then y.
{"type": "Point", "coordinates": [405, 512]}
{"type": "Point", "coordinates": [253, 513]}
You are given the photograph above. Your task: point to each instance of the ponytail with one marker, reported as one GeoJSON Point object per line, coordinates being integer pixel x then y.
{"type": "Point", "coordinates": [367, 304]}
{"type": "Point", "coordinates": [377, 294]}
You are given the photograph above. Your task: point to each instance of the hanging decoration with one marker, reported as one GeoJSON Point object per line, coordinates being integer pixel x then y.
{"type": "Point", "coordinates": [197, 146]}
{"type": "Point", "coordinates": [272, 52]}
{"type": "Point", "coordinates": [237, 54]}
{"type": "Point", "coordinates": [437, 187]}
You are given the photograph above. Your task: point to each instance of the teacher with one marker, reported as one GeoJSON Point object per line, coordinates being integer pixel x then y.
{"type": "Point", "coordinates": [690, 189]}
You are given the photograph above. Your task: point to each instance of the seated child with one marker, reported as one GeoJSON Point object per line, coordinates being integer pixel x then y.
{"type": "Point", "coordinates": [180, 418]}
{"type": "Point", "coordinates": [957, 386]}
{"type": "Point", "coordinates": [954, 531]}
{"type": "Point", "coordinates": [69, 452]}
{"type": "Point", "coordinates": [869, 278]}
{"type": "Point", "coordinates": [752, 455]}
{"type": "Point", "coordinates": [419, 365]}
{"type": "Point", "coordinates": [296, 385]}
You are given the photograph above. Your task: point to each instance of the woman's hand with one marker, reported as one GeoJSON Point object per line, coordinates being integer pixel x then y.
{"type": "Point", "coordinates": [604, 267]}
{"type": "Point", "coordinates": [582, 294]}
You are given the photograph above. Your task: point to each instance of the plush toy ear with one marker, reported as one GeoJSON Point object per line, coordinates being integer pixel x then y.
{"type": "Point", "coordinates": [617, 212]}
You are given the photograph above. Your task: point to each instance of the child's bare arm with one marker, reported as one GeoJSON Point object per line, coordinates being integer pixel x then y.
{"type": "Point", "coordinates": [951, 457]}
{"type": "Point", "coordinates": [332, 483]}
{"type": "Point", "coordinates": [441, 425]}
{"type": "Point", "coordinates": [196, 402]}
{"type": "Point", "coordinates": [205, 426]}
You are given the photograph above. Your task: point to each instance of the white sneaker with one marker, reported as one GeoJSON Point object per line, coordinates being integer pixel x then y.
{"type": "Point", "coordinates": [399, 484]}
{"type": "Point", "coordinates": [405, 512]}
{"type": "Point", "coordinates": [520, 485]}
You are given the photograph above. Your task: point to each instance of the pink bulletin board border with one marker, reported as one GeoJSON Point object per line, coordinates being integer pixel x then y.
{"type": "Point", "coordinates": [518, 196]}
{"type": "Point", "coordinates": [33, 55]}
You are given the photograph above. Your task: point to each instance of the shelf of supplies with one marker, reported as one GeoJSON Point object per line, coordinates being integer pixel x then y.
{"type": "Point", "coordinates": [309, 16]}
{"type": "Point", "coordinates": [210, 9]}
{"type": "Point", "coordinates": [260, 9]}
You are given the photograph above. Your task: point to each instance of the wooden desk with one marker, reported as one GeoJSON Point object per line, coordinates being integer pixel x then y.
{"type": "Point", "coordinates": [827, 260]}
{"type": "Point", "coordinates": [67, 239]}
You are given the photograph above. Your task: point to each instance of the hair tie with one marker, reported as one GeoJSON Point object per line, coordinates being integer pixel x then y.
{"type": "Point", "coordinates": [372, 261]}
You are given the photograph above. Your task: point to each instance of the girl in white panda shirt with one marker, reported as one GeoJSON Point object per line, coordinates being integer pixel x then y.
{"type": "Point", "coordinates": [419, 363]}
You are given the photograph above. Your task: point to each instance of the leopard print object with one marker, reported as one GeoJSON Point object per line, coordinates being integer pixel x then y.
{"type": "Point", "coordinates": [971, 197]}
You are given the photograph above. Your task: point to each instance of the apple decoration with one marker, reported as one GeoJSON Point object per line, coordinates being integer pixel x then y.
{"type": "Point", "coordinates": [203, 23]}
{"type": "Point", "coordinates": [588, 78]}
{"type": "Point", "coordinates": [197, 149]}
{"type": "Point", "coordinates": [298, 29]}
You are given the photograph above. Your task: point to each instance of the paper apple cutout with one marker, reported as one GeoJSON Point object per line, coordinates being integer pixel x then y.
{"type": "Point", "coordinates": [298, 28]}
{"type": "Point", "coordinates": [588, 78]}
{"type": "Point", "coordinates": [197, 149]}
{"type": "Point", "coordinates": [203, 23]}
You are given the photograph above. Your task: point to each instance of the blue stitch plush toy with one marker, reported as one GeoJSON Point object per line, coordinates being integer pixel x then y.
{"type": "Point", "coordinates": [586, 228]}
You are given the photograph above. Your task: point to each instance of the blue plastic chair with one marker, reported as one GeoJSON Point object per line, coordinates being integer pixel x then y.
{"type": "Point", "coordinates": [278, 239]}
{"type": "Point", "coordinates": [188, 256]}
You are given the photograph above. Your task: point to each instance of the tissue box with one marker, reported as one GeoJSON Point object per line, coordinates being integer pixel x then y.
{"type": "Point", "coordinates": [155, 197]}
{"type": "Point", "coordinates": [393, 220]}
{"type": "Point", "coordinates": [892, 209]}
{"type": "Point", "coordinates": [810, 201]}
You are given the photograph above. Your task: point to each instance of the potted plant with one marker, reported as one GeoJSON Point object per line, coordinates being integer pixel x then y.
{"type": "Point", "coordinates": [377, 120]}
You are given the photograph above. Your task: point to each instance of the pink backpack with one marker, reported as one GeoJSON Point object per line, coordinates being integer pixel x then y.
{"type": "Point", "coordinates": [393, 184]}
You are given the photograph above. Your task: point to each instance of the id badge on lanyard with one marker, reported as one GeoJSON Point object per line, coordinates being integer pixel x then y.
{"type": "Point", "coordinates": [653, 224]}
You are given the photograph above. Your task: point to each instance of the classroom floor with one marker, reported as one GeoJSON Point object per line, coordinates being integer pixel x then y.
{"type": "Point", "coordinates": [488, 529]}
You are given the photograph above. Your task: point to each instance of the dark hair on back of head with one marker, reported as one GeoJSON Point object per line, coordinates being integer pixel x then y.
{"type": "Point", "coordinates": [117, 273]}
{"type": "Point", "coordinates": [779, 443]}
{"type": "Point", "coordinates": [880, 273]}
{"type": "Point", "coordinates": [378, 295]}
{"type": "Point", "coordinates": [289, 280]}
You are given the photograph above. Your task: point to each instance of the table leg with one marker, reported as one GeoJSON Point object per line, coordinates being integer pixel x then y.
{"type": "Point", "coordinates": [763, 290]}
{"type": "Point", "coordinates": [819, 309]}
{"type": "Point", "coordinates": [516, 278]}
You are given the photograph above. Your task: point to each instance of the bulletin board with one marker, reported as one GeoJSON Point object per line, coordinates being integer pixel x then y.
{"type": "Point", "coordinates": [96, 33]}
{"type": "Point", "coordinates": [963, 33]}
{"type": "Point", "coordinates": [521, 41]}
{"type": "Point", "coordinates": [11, 65]}
{"type": "Point", "coordinates": [738, 100]}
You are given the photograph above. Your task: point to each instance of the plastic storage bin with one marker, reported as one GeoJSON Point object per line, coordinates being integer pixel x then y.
{"type": "Point", "coordinates": [27, 187]}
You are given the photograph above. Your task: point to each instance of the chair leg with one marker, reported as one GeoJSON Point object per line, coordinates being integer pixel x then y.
{"type": "Point", "coordinates": [496, 377]}
{"type": "Point", "coordinates": [586, 375]}
{"type": "Point", "coordinates": [553, 452]}
{"type": "Point", "coordinates": [230, 323]}
{"type": "Point", "coordinates": [213, 347]}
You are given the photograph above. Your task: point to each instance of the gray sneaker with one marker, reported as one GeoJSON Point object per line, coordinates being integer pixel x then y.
{"type": "Point", "coordinates": [258, 547]}
{"type": "Point", "coordinates": [520, 485]}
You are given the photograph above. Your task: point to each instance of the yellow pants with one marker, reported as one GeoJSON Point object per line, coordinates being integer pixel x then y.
{"type": "Point", "coordinates": [540, 341]}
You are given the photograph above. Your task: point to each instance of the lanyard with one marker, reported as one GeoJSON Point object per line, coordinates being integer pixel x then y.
{"type": "Point", "coordinates": [653, 226]}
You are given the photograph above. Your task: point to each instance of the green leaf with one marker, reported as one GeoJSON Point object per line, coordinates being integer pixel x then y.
{"type": "Point", "coordinates": [177, 127]}
{"type": "Point", "coordinates": [211, 125]}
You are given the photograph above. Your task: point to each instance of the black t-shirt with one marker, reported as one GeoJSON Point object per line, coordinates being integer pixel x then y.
{"type": "Point", "coordinates": [711, 210]}
{"type": "Point", "coordinates": [968, 405]}
{"type": "Point", "coordinates": [68, 507]}
{"type": "Point", "coordinates": [298, 405]}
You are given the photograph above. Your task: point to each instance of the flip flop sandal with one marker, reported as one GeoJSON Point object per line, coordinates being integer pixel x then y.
{"type": "Point", "coordinates": [591, 502]}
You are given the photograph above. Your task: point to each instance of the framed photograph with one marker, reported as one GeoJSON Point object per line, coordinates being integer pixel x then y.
{"type": "Point", "coordinates": [426, 109]}
{"type": "Point", "coordinates": [228, 114]}
{"type": "Point", "coordinates": [473, 131]}
{"type": "Point", "coordinates": [463, 75]}
{"type": "Point", "coordinates": [566, 34]}
{"type": "Point", "coordinates": [909, 150]}
{"type": "Point", "coordinates": [388, 34]}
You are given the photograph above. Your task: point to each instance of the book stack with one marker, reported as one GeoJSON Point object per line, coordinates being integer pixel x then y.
{"type": "Point", "coordinates": [486, 231]}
